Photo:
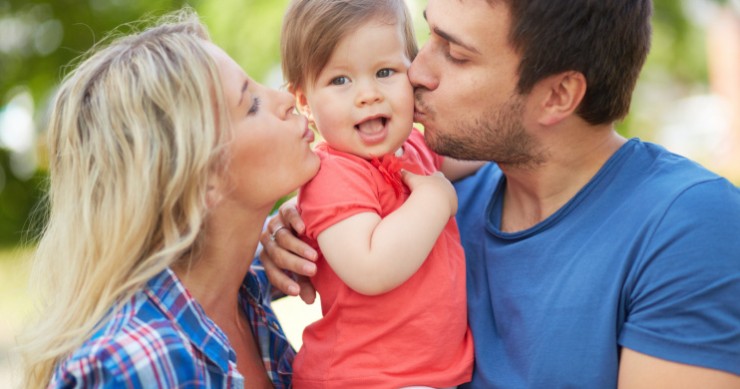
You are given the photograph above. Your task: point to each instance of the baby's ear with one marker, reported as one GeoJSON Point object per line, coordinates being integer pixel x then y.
{"type": "Point", "coordinates": [301, 103]}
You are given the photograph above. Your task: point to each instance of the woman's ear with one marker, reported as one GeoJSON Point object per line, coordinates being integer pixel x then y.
{"type": "Point", "coordinates": [562, 94]}
{"type": "Point", "coordinates": [214, 193]}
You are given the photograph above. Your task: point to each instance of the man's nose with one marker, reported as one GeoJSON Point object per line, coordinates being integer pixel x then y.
{"type": "Point", "coordinates": [421, 73]}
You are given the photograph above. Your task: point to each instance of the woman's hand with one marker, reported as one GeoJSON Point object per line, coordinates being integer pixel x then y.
{"type": "Point", "coordinates": [288, 260]}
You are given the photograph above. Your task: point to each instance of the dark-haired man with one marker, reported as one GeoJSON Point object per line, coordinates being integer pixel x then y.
{"type": "Point", "coordinates": [594, 261]}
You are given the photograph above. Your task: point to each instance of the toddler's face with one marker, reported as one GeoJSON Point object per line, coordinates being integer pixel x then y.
{"type": "Point", "coordinates": [362, 102]}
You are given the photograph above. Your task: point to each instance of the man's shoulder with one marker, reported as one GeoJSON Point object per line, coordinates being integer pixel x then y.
{"type": "Point", "coordinates": [481, 183]}
{"type": "Point", "coordinates": [664, 167]}
{"type": "Point", "coordinates": [648, 173]}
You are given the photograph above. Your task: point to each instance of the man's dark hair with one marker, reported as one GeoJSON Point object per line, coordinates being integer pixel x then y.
{"type": "Point", "coordinates": [606, 40]}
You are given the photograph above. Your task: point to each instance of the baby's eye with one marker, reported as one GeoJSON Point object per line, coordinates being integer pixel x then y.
{"type": "Point", "coordinates": [341, 80]}
{"type": "Point", "coordinates": [383, 73]}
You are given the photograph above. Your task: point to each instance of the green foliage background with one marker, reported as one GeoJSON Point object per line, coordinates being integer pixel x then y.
{"type": "Point", "coordinates": [246, 29]}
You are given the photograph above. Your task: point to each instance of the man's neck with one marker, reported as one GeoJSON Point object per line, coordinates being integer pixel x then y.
{"type": "Point", "coordinates": [532, 194]}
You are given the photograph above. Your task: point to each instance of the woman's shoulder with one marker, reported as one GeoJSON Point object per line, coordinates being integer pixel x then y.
{"type": "Point", "coordinates": [138, 326]}
{"type": "Point", "coordinates": [137, 343]}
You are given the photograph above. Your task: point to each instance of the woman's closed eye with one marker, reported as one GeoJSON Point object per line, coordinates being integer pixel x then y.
{"type": "Point", "coordinates": [255, 106]}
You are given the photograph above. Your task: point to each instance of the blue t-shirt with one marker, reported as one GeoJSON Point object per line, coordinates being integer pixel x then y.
{"type": "Point", "coordinates": [646, 256]}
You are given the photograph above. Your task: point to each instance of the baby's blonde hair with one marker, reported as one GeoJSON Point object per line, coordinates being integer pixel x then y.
{"type": "Point", "coordinates": [313, 28]}
{"type": "Point", "coordinates": [133, 137]}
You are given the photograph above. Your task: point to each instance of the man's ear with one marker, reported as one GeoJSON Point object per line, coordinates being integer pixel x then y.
{"type": "Point", "coordinates": [302, 103]}
{"type": "Point", "coordinates": [562, 94]}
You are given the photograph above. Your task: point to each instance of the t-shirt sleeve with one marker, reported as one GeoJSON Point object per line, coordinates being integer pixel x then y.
{"type": "Point", "coordinates": [683, 300]}
{"type": "Point", "coordinates": [427, 156]}
{"type": "Point", "coordinates": [342, 188]}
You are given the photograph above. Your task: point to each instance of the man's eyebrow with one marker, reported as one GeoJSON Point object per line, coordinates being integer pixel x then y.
{"type": "Point", "coordinates": [450, 38]}
{"type": "Point", "coordinates": [244, 88]}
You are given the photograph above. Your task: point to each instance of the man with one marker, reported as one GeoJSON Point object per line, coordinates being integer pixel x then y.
{"type": "Point", "coordinates": [593, 260]}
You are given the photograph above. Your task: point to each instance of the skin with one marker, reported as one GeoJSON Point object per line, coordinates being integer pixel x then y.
{"type": "Point", "coordinates": [468, 62]}
{"type": "Point", "coordinates": [464, 79]}
{"type": "Point", "coordinates": [355, 87]}
{"type": "Point", "coordinates": [565, 153]}
{"type": "Point", "coordinates": [362, 103]}
{"type": "Point", "coordinates": [240, 198]}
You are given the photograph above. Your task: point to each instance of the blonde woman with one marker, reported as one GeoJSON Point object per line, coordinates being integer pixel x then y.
{"type": "Point", "coordinates": [165, 160]}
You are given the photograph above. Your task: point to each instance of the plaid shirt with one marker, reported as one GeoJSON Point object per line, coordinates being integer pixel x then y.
{"type": "Point", "coordinates": [162, 338]}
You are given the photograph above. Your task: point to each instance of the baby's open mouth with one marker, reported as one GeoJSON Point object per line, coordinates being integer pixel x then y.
{"type": "Point", "coordinates": [372, 126]}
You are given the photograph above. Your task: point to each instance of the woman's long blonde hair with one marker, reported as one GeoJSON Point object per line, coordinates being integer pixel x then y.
{"type": "Point", "coordinates": [133, 137]}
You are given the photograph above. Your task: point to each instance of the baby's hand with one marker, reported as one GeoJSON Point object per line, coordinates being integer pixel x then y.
{"type": "Point", "coordinates": [436, 184]}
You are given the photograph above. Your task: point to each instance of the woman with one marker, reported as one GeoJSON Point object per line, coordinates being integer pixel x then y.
{"type": "Point", "coordinates": [166, 158]}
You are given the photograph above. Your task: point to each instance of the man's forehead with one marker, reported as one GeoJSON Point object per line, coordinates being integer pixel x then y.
{"type": "Point", "coordinates": [452, 15]}
{"type": "Point", "coordinates": [489, 2]}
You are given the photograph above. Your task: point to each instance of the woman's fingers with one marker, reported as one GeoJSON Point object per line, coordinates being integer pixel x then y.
{"type": "Point", "coordinates": [289, 215]}
{"type": "Point", "coordinates": [286, 257]}
{"type": "Point", "coordinates": [279, 279]}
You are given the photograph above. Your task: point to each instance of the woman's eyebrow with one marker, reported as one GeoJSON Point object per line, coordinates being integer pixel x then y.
{"type": "Point", "coordinates": [244, 89]}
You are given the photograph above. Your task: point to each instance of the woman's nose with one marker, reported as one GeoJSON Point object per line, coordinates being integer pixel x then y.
{"type": "Point", "coordinates": [286, 103]}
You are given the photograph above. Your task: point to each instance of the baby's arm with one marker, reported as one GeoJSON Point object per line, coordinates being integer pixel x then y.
{"type": "Point", "coordinates": [455, 169]}
{"type": "Point", "coordinates": [373, 255]}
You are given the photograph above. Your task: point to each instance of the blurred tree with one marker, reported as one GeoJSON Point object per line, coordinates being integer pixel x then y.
{"type": "Point", "coordinates": [18, 198]}
{"type": "Point", "coordinates": [249, 30]}
{"type": "Point", "coordinates": [39, 39]}
{"type": "Point", "coordinates": [675, 66]}
{"type": "Point", "coordinates": [678, 44]}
